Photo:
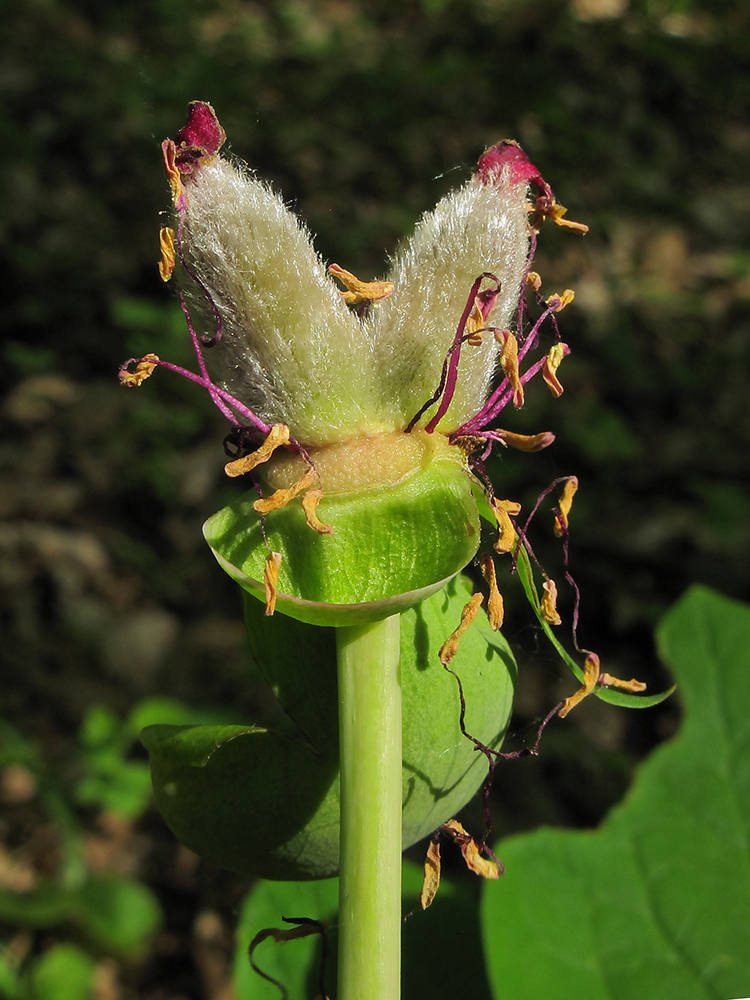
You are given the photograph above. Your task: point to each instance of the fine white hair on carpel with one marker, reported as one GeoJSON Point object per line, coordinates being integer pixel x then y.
{"type": "Point", "coordinates": [480, 227]}
{"type": "Point", "coordinates": [290, 349]}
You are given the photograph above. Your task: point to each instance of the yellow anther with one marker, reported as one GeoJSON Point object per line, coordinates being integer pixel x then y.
{"type": "Point", "coordinates": [558, 302]}
{"type": "Point", "coordinates": [360, 291]}
{"type": "Point", "coordinates": [547, 207]}
{"type": "Point", "coordinates": [270, 579]}
{"type": "Point", "coordinates": [555, 214]}
{"type": "Point", "coordinates": [534, 280]}
{"type": "Point", "coordinates": [474, 324]}
{"type": "Point", "coordinates": [169, 152]}
{"type": "Point", "coordinates": [503, 509]}
{"type": "Point", "coordinates": [431, 879]}
{"type": "Point", "coordinates": [590, 679]}
{"type": "Point", "coordinates": [495, 604]}
{"type": "Point", "coordinates": [282, 497]}
{"type": "Point", "coordinates": [276, 438]}
{"type": "Point", "coordinates": [168, 257]}
{"type": "Point", "coordinates": [469, 613]}
{"type": "Point", "coordinates": [526, 442]}
{"type": "Point", "coordinates": [509, 364]}
{"type": "Point", "coordinates": [549, 603]}
{"type": "Point", "coordinates": [470, 850]}
{"type": "Point", "coordinates": [143, 370]}
{"type": "Point", "coordinates": [563, 508]}
{"type": "Point", "coordinates": [476, 863]}
{"type": "Point", "coordinates": [634, 686]}
{"type": "Point", "coordinates": [310, 502]}
{"type": "Point", "coordinates": [551, 364]}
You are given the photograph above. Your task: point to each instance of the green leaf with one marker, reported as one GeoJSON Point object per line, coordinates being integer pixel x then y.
{"type": "Point", "coordinates": [430, 965]}
{"type": "Point", "coordinates": [65, 972]}
{"type": "Point", "coordinates": [11, 984]}
{"type": "Point", "coordinates": [159, 709]}
{"type": "Point", "coordinates": [262, 803]}
{"type": "Point", "coordinates": [656, 902]}
{"type": "Point", "coordinates": [45, 905]}
{"type": "Point", "coordinates": [118, 913]}
{"type": "Point", "coordinates": [391, 547]}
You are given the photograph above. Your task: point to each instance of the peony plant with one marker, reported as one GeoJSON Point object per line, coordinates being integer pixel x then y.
{"type": "Point", "coordinates": [362, 412]}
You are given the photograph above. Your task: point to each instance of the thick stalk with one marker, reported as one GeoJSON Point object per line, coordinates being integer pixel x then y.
{"type": "Point", "coordinates": [370, 860]}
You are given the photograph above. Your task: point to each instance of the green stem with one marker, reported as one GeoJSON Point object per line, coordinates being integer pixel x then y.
{"type": "Point", "coordinates": [370, 860]}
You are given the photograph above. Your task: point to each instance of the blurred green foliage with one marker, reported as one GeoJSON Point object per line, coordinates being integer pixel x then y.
{"type": "Point", "coordinates": [362, 113]}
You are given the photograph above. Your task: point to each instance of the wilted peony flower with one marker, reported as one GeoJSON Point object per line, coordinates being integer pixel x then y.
{"type": "Point", "coordinates": [365, 413]}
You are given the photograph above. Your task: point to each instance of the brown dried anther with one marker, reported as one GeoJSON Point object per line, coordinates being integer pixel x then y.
{"type": "Point", "coordinates": [633, 686]}
{"type": "Point", "coordinates": [469, 613]}
{"type": "Point", "coordinates": [431, 880]}
{"type": "Point", "coordinates": [503, 509]}
{"type": "Point", "coordinates": [590, 680]}
{"type": "Point", "coordinates": [310, 502]}
{"type": "Point", "coordinates": [270, 579]}
{"type": "Point", "coordinates": [470, 850]}
{"type": "Point", "coordinates": [277, 437]}
{"type": "Point", "coordinates": [551, 364]}
{"type": "Point", "coordinates": [475, 324]}
{"type": "Point", "coordinates": [358, 291]}
{"type": "Point", "coordinates": [526, 442]}
{"type": "Point", "coordinates": [549, 603]}
{"type": "Point", "coordinates": [562, 511]}
{"type": "Point", "coordinates": [509, 364]}
{"type": "Point", "coordinates": [282, 497]}
{"type": "Point", "coordinates": [534, 280]}
{"type": "Point", "coordinates": [144, 369]}
{"type": "Point", "coordinates": [495, 604]}
{"type": "Point", "coordinates": [168, 255]}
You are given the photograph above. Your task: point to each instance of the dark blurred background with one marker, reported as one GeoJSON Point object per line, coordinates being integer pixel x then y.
{"type": "Point", "coordinates": [362, 114]}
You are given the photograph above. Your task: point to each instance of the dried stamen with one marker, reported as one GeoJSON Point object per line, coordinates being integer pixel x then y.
{"type": "Point", "coordinates": [470, 850]}
{"type": "Point", "coordinates": [310, 502]}
{"type": "Point", "coordinates": [633, 685]}
{"type": "Point", "coordinates": [270, 578]}
{"type": "Point", "coordinates": [169, 152]}
{"type": "Point", "coordinates": [475, 324]}
{"type": "Point", "coordinates": [563, 508]}
{"type": "Point", "coordinates": [549, 603]}
{"type": "Point", "coordinates": [590, 680]}
{"type": "Point", "coordinates": [168, 257]}
{"type": "Point", "coordinates": [525, 442]}
{"type": "Point", "coordinates": [495, 604]}
{"type": "Point", "coordinates": [304, 927]}
{"type": "Point", "coordinates": [554, 357]}
{"type": "Point", "coordinates": [469, 613]}
{"type": "Point", "coordinates": [534, 280]}
{"type": "Point", "coordinates": [144, 369]}
{"type": "Point", "coordinates": [431, 880]}
{"type": "Point", "coordinates": [282, 497]}
{"type": "Point", "coordinates": [277, 438]}
{"type": "Point", "coordinates": [509, 364]}
{"type": "Point", "coordinates": [502, 509]}
{"type": "Point", "coordinates": [360, 291]}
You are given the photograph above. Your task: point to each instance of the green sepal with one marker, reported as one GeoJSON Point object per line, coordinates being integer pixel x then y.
{"type": "Point", "coordinates": [391, 547]}
{"type": "Point", "coordinates": [265, 804]}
